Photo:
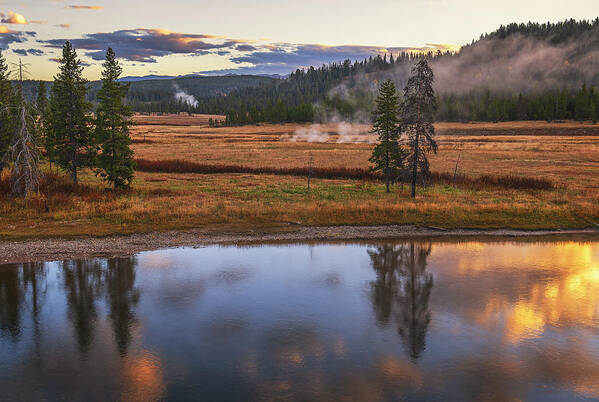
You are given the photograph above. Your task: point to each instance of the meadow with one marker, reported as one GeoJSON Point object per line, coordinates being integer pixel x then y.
{"type": "Point", "coordinates": [524, 175]}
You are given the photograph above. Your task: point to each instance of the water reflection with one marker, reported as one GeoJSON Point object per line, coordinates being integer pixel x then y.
{"type": "Point", "coordinates": [402, 289]}
{"type": "Point", "coordinates": [82, 282]}
{"type": "Point", "coordinates": [123, 297]}
{"type": "Point", "coordinates": [21, 286]}
{"type": "Point", "coordinates": [86, 283]}
{"type": "Point", "coordinates": [416, 321]}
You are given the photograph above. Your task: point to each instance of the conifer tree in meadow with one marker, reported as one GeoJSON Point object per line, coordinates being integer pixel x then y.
{"type": "Point", "coordinates": [70, 143]}
{"type": "Point", "coordinates": [7, 111]}
{"type": "Point", "coordinates": [41, 101]}
{"type": "Point", "coordinates": [417, 115]}
{"type": "Point", "coordinates": [387, 156]}
{"type": "Point", "coordinates": [41, 106]}
{"type": "Point", "coordinates": [115, 162]}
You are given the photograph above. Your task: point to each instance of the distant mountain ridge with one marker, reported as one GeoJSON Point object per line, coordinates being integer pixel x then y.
{"type": "Point", "coordinates": [152, 77]}
{"type": "Point", "coordinates": [146, 78]}
{"type": "Point", "coordinates": [159, 93]}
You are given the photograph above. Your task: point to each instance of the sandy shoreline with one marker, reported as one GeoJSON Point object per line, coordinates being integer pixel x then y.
{"type": "Point", "coordinates": [61, 249]}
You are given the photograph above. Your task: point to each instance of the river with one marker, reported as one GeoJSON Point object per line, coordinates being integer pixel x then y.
{"type": "Point", "coordinates": [343, 321]}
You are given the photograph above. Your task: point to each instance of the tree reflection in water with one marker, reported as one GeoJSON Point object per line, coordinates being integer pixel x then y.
{"type": "Point", "coordinates": [402, 290]}
{"type": "Point", "coordinates": [21, 286]}
{"type": "Point", "coordinates": [86, 282]}
{"type": "Point", "coordinates": [122, 297]}
{"type": "Point", "coordinates": [82, 283]}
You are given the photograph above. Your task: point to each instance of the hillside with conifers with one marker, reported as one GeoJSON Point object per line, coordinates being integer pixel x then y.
{"type": "Point", "coordinates": [518, 72]}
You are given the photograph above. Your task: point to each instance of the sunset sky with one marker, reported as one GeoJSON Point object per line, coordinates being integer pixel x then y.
{"type": "Point", "coordinates": [179, 37]}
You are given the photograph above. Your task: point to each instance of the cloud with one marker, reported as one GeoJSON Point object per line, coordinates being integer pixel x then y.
{"type": "Point", "coordinates": [145, 45]}
{"type": "Point", "coordinates": [79, 7]}
{"type": "Point", "coordinates": [29, 52]}
{"type": "Point", "coordinates": [65, 26]}
{"type": "Point", "coordinates": [245, 48]}
{"type": "Point", "coordinates": [306, 55]}
{"type": "Point", "coordinates": [13, 18]}
{"type": "Point", "coordinates": [247, 56]}
{"type": "Point", "coordinates": [8, 36]}
{"type": "Point", "coordinates": [284, 58]}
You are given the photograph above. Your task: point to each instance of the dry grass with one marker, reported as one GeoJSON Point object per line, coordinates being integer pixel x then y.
{"type": "Point", "coordinates": [499, 168]}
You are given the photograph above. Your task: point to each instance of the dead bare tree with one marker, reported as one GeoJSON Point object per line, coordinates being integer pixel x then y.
{"type": "Point", "coordinates": [24, 152]}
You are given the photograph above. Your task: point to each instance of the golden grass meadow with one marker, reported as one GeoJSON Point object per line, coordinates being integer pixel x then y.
{"type": "Point", "coordinates": [565, 154]}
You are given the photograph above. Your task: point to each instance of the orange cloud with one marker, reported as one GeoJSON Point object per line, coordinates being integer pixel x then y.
{"type": "Point", "coordinates": [13, 18]}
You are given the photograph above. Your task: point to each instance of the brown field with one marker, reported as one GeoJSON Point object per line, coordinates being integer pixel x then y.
{"type": "Point", "coordinates": [566, 154]}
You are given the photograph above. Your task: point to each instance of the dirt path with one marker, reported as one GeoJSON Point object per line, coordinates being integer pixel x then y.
{"type": "Point", "coordinates": [61, 249]}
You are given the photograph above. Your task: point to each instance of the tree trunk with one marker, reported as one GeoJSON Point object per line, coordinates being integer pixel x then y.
{"type": "Point", "coordinates": [415, 163]}
{"type": "Point", "coordinates": [387, 169]}
{"type": "Point", "coordinates": [387, 178]}
{"type": "Point", "coordinates": [73, 153]}
{"type": "Point", "coordinates": [74, 174]}
{"type": "Point", "coordinates": [415, 166]}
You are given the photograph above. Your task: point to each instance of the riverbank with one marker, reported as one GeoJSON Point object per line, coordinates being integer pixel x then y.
{"type": "Point", "coordinates": [57, 249]}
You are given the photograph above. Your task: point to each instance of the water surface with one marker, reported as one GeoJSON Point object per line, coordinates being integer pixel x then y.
{"type": "Point", "coordinates": [381, 321]}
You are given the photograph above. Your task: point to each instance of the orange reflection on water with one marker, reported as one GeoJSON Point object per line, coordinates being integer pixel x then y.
{"type": "Point", "coordinates": [571, 299]}
{"type": "Point", "coordinates": [143, 378]}
{"type": "Point", "coordinates": [478, 256]}
{"type": "Point", "coordinates": [560, 288]}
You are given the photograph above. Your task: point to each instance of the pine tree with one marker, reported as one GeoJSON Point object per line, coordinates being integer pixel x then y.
{"type": "Point", "coordinates": [115, 162]}
{"type": "Point", "coordinates": [68, 128]}
{"type": "Point", "coordinates": [41, 105]}
{"type": "Point", "coordinates": [417, 115]}
{"type": "Point", "coordinates": [387, 155]}
{"type": "Point", "coordinates": [7, 111]}
{"type": "Point", "coordinates": [41, 99]}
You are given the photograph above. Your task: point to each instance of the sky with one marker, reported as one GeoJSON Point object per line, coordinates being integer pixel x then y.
{"type": "Point", "coordinates": [180, 37]}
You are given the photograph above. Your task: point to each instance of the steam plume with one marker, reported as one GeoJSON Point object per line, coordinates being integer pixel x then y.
{"type": "Point", "coordinates": [184, 97]}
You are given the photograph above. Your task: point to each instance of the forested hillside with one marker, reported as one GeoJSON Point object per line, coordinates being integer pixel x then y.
{"type": "Point", "coordinates": [183, 94]}
{"type": "Point", "coordinates": [520, 71]}
{"type": "Point", "coordinates": [310, 94]}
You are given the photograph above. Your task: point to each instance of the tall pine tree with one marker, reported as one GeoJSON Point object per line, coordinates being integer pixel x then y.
{"type": "Point", "coordinates": [115, 162]}
{"type": "Point", "coordinates": [387, 155]}
{"type": "Point", "coordinates": [41, 101]}
{"type": "Point", "coordinates": [7, 112]}
{"type": "Point", "coordinates": [41, 105]}
{"type": "Point", "coordinates": [69, 123]}
{"type": "Point", "coordinates": [417, 115]}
